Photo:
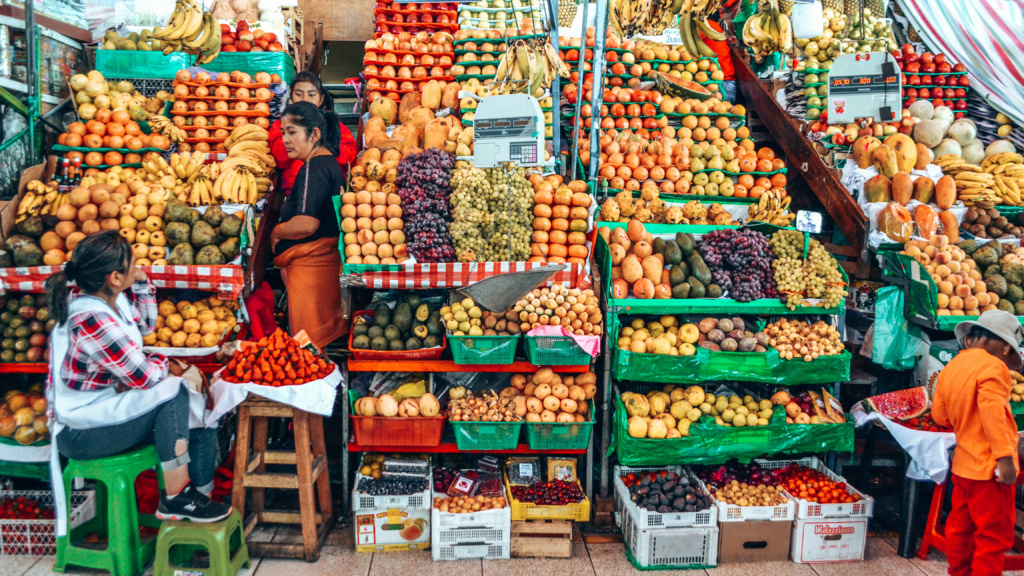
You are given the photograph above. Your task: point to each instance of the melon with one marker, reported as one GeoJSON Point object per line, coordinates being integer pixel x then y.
{"type": "Point", "coordinates": [902, 404]}
{"type": "Point", "coordinates": [672, 86]}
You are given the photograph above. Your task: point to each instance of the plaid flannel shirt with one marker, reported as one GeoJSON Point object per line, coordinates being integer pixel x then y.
{"type": "Point", "coordinates": [101, 354]}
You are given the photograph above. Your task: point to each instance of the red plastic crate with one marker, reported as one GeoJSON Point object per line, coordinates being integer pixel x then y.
{"type": "Point", "coordinates": [364, 354]}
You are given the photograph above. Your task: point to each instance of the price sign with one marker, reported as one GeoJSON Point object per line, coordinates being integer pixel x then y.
{"type": "Point", "coordinates": [864, 86]}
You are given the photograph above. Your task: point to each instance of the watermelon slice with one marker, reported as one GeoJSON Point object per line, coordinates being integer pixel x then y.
{"type": "Point", "coordinates": [902, 404]}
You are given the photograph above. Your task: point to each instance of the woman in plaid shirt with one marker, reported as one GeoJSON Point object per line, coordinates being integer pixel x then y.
{"type": "Point", "coordinates": [109, 396]}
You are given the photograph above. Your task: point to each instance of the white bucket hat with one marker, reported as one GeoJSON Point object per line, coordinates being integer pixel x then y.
{"type": "Point", "coordinates": [1001, 323]}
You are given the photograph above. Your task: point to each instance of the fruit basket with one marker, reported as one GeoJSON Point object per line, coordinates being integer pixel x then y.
{"type": "Point", "coordinates": [670, 548]}
{"type": "Point", "coordinates": [39, 537]}
{"type": "Point", "coordinates": [484, 349]}
{"type": "Point", "coordinates": [576, 511]}
{"type": "Point", "coordinates": [482, 436]}
{"type": "Point", "coordinates": [560, 436]}
{"type": "Point", "coordinates": [645, 519]}
{"type": "Point", "coordinates": [807, 509]}
{"type": "Point", "coordinates": [396, 431]}
{"type": "Point", "coordinates": [555, 351]}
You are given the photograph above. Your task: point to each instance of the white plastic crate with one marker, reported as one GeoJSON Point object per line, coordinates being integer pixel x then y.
{"type": "Point", "coordinates": [360, 501]}
{"type": "Point", "coordinates": [647, 519]}
{"type": "Point", "coordinates": [39, 537]}
{"type": "Point", "coordinates": [806, 509]}
{"type": "Point", "coordinates": [824, 540]}
{"type": "Point", "coordinates": [733, 513]}
{"type": "Point", "coordinates": [486, 535]}
{"type": "Point", "coordinates": [679, 547]}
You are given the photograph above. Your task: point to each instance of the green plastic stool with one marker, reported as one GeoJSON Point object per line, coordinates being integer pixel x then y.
{"type": "Point", "coordinates": [117, 515]}
{"type": "Point", "coordinates": [224, 541]}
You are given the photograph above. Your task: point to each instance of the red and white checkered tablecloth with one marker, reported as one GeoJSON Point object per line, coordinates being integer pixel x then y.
{"type": "Point", "coordinates": [454, 275]}
{"type": "Point", "coordinates": [227, 280]}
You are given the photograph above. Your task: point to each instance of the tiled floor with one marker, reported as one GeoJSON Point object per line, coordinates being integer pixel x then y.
{"type": "Point", "coordinates": [338, 558]}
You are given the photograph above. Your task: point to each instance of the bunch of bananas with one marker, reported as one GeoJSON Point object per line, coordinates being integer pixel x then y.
{"type": "Point", "coordinates": [191, 30]}
{"type": "Point", "coordinates": [156, 169]}
{"type": "Point", "coordinates": [650, 17]}
{"type": "Point", "coordinates": [163, 125]}
{"type": "Point", "coordinates": [768, 31]}
{"type": "Point", "coordinates": [1008, 171]}
{"type": "Point", "coordinates": [238, 183]}
{"type": "Point", "coordinates": [771, 208]}
{"type": "Point", "coordinates": [39, 200]}
{"type": "Point", "coordinates": [528, 67]}
{"type": "Point", "coordinates": [974, 186]}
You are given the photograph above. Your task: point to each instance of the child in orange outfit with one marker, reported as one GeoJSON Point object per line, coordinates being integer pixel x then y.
{"type": "Point", "coordinates": [972, 396]}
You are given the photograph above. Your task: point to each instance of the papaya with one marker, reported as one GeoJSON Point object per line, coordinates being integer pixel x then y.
{"type": "Point", "coordinates": [924, 190]}
{"type": "Point", "coordinates": [905, 149]}
{"type": "Point", "coordinates": [884, 160]}
{"type": "Point", "coordinates": [927, 220]}
{"type": "Point", "coordinates": [945, 193]}
{"type": "Point", "coordinates": [902, 188]}
{"type": "Point", "coordinates": [895, 222]}
{"type": "Point", "coordinates": [949, 225]}
{"type": "Point", "coordinates": [878, 189]}
{"type": "Point", "coordinates": [924, 157]}
{"type": "Point", "coordinates": [863, 150]}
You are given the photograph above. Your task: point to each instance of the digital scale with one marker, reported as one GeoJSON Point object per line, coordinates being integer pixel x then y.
{"type": "Point", "coordinates": [864, 85]}
{"type": "Point", "coordinates": [508, 128]}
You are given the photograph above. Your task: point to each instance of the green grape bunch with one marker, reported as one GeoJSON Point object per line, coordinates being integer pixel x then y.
{"type": "Point", "coordinates": [816, 276]}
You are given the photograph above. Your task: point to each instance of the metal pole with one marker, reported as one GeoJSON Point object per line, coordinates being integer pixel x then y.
{"type": "Point", "coordinates": [580, 74]}
{"type": "Point", "coordinates": [556, 144]}
{"type": "Point", "coordinates": [32, 78]}
{"type": "Point", "coordinates": [600, 27]}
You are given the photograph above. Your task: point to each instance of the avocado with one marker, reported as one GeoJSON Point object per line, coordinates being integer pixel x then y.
{"type": "Point", "coordinates": [21, 345]}
{"type": "Point", "coordinates": [696, 287]}
{"type": "Point", "coordinates": [28, 255]}
{"type": "Point", "coordinates": [714, 291]}
{"type": "Point", "coordinates": [673, 253]}
{"type": "Point", "coordinates": [402, 318]}
{"type": "Point", "coordinates": [413, 343]}
{"type": "Point", "coordinates": [686, 243]}
{"type": "Point", "coordinates": [431, 341]}
{"type": "Point", "coordinates": [360, 329]}
{"type": "Point", "coordinates": [434, 326]}
{"type": "Point", "coordinates": [13, 305]}
{"type": "Point", "coordinates": [7, 356]}
{"type": "Point", "coordinates": [423, 312]}
{"type": "Point", "coordinates": [379, 343]}
{"type": "Point", "coordinates": [7, 344]}
{"type": "Point", "coordinates": [1005, 306]}
{"type": "Point", "coordinates": [420, 331]}
{"type": "Point", "coordinates": [396, 345]}
{"type": "Point", "coordinates": [678, 273]}
{"type": "Point", "coordinates": [22, 332]}
{"type": "Point", "coordinates": [362, 341]}
{"type": "Point", "coordinates": [31, 227]}
{"type": "Point", "coordinates": [681, 291]}
{"type": "Point", "coordinates": [375, 332]}
{"type": "Point", "coordinates": [1013, 293]}
{"type": "Point", "coordinates": [699, 269]}
{"type": "Point", "coordinates": [392, 333]}
{"type": "Point", "coordinates": [658, 246]}
{"type": "Point", "coordinates": [382, 315]}
{"type": "Point", "coordinates": [414, 301]}
{"type": "Point", "coordinates": [991, 271]}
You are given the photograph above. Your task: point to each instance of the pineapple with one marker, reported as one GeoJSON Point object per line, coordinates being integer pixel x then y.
{"type": "Point", "coordinates": [566, 12]}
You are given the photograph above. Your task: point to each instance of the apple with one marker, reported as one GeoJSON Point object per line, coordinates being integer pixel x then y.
{"type": "Point", "coordinates": [838, 139]}
{"type": "Point", "coordinates": [964, 80]}
{"type": "Point", "coordinates": [259, 32]}
{"type": "Point", "coordinates": [940, 102]}
{"type": "Point", "coordinates": [229, 48]}
{"type": "Point", "coordinates": [907, 49]}
{"type": "Point", "coordinates": [927, 58]}
{"type": "Point", "coordinates": [949, 93]}
{"type": "Point", "coordinates": [897, 55]}
{"type": "Point", "coordinates": [275, 47]}
{"type": "Point", "coordinates": [924, 93]}
{"type": "Point", "coordinates": [271, 37]}
{"type": "Point", "coordinates": [256, 49]}
{"type": "Point", "coordinates": [939, 80]}
{"type": "Point", "coordinates": [926, 81]}
{"type": "Point", "coordinates": [913, 67]}
{"type": "Point", "coordinates": [224, 28]}
{"type": "Point", "coordinates": [912, 58]}
{"type": "Point", "coordinates": [928, 67]}
{"type": "Point", "coordinates": [960, 105]}
{"type": "Point", "coordinates": [959, 68]}
{"type": "Point", "coordinates": [903, 79]}
{"type": "Point", "coordinates": [246, 35]}
{"type": "Point", "coordinates": [908, 130]}
{"type": "Point", "coordinates": [244, 46]}
{"type": "Point", "coordinates": [960, 93]}
{"type": "Point", "coordinates": [262, 42]}
{"type": "Point", "coordinates": [959, 115]}
{"type": "Point", "coordinates": [940, 58]}
{"type": "Point", "coordinates": [227, 39]}
{"type": "Point", "coordinates": [915, 80]}
{"type": "Point", "coordinates": [910, 93]}
{"type": "Point", "coordinates": [242, 25]}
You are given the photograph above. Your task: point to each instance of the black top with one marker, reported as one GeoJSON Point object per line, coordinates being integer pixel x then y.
{"type": "Point", "coordinates": [325, 182]}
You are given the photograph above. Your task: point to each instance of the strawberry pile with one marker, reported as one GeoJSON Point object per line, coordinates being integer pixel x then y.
{"type": "Point", "coordinates": [276, 360]}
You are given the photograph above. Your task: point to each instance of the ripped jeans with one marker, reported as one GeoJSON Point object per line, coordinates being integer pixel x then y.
{"type": "Point", "coordinates": [163, 427]}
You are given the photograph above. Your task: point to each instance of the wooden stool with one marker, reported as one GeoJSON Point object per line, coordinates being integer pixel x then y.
{"type": "Point", "coordinates": [935, 534]}
{"type": "Point", "coordinates": [311, 468]}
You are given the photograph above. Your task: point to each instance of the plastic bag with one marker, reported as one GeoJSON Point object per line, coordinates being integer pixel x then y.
{"type": "Point", "coordinates": [895, 222]}
{"type": "Point", "coordinates": [897, 343]}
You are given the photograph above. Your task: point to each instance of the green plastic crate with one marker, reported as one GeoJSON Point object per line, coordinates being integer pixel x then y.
{"type": "Point", "coordinates": [481, 436]}
{"type": "Point", "coordinates": [548, 436]}
{"type": "Point", "coordinates": [555, 351]}
{"type": "Point", "coordinates": [483, 349]}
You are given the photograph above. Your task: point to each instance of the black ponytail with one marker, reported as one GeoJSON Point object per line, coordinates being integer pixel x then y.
{"type": "Point", "coordinates": [310, 117]}
{"type": "Point", "coordinates": [92, 260]}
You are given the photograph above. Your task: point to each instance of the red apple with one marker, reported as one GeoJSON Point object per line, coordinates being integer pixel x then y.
{"type": "Point", "coordinates": [909, 101]}
{"type": "Point", "coordinates": [242, 25]}
{"type": "Point", "coordinates": [908, 130]}
{"type": "Point", "coordinates": [897, 55]}
{"type": "Point", "coordinates": [915, 80]}
{"type": "Point", "coordinates": [949, 93]}
{"type": "Point", "coordinates": [244, 46]}
{"type": "Point", "coordinates": [943, 67]}
{"type": "Point", "coordinates": [913, 67]}
{"type": "Point", "coordinates": [928, 67]}
{"type": "Point", "coordinates": [940, 102]}
{"type": "Point", "coordinates": [903, 79]}
{"type": "Point", "coordinates": [271, 37]}
{"type": "Point", "coordinates": [927, 58]}
{"type": "Point", "coordinates": [224, 28]}
{"type": "Point", "coordinates": [927, 81]}
{"type": "Point", "coordinates": [939, 80]}
{"type": "Point", "coordinates": [940, 58]}
{"type": "Point", "coordinates": [866, 131]}
{"type": "Point", "coordinates": [964, 80]}
{"type": "Point", "coordinates": [246, 35]}
{"type": "Point", "coordinates": [258, 33]}
{"type": "Point", "coordinates": [924, 93]}
{"type": "Point", "coordinates": [229, 48]}
{"type": "Point", "coordinates": [227, 39]}
{"type": "Point", "coordinates": [911, 58]}
{"type": "Point", "coordinates": [960, 105]}
{"type": "Point", "coordinates": [960, 93]}
{"type": "Point", "coordinates": [959, 68]}
{"type": "Point", "coordinates": [907, 49]}
{"type": "Point", "coordinates": [838, 139]}
{"type": "Point", "coordinates": [262, 42]}
{"type": "Point", "coordinates": [275, 47]}
{"type": "Point", "coordinates": [910, 93]}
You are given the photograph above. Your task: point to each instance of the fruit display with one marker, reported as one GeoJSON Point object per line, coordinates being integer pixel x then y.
{"type": "Point", "coordinates": [428, 18]}
{"type": "Point", "coordinates": [797, 278]}
{"type": "Point", "coordinates": [667, 336]}
{"type": "Point", "coordinates": [553, 493]}
{"type": "Point", "coordinates": [25, 325]}
{"type": "Point", "coordinates": [560, 223]}
{"type": "Point", "coordinates": [371, 214]}
{"type": "Point", "coordinates": [998, 178]}
{"type": "Point", "coordinates": [799, 339]}
{"type": "Point", "coordinates": [110, 138]}
{"type": "Point", "coordinates": [577, 310]}
{"type": "Point", "coordinates": [191, 30]}
{"type": "Point", "coordinates": [211, 108]}
{"type": "Point", "coordinates": [391, 486]}
{"type": "Point", "coordinates": [549, 397]}
{"type": "Point", "coordinates": [465, 318]}
{"type": "Point", "coordinates": [40, 199]}
{"type": "Point", "coordinates": [23, 416]}
{"type": "Point", "coordinates": [732, 473]}
{"type": "Point", "coordinates": [163, 125]}
{"type": "Point", "coordinates": [92, 93]}
{"type": "Point", "coordinates": [528, 67]}
{"type": "Point", "coordinates": [666, 492]}
{"type": "Point", "coordinates": [652, 209]}
{"type": "Point", "coordinates": [740, 263]}
{"type": "Point", "coordinates": [468, 406]}
{"type": "Point", "coordinates": [1017, 388]}
{"type": "Point", "coordinates": [628, 18]}
{"type": "Point", "coordinates": [411, 325]}
{"type": "Point", "coordinates": [809, 407]}
{"type": "Point", "coordinates": [469, 504]}
{"type": "Point", "coordinates": [928, 76]}
{"type": "Point", "coordinates": [814, 486]}
{"type": "Point", "coordinates": [845, 34]}
{"type": "Point", "coordinates": [199, 324]}
{"type": "Point", "coordinates": [386, 405]}
{"type": "Point", "coordinates": [24, 508]}
{"type": "Point", "coordinates": [1000, 267]}
{"type": "Point", "coordinates": [210, 238]}
{"type": "Point", "coordinates": [768, 31]}
{"type": "Point", "coordinates": [424, 186]}
{"type": "Point", "coordinates": [276, 360]}
{"type": "Point", "coordinates": [742, 494]}
{"type": "Point", "coordinates": [901, 405]}
{"type": "Point", "coordinates": [243, 39]}
{"type": "Point", "coordinates": [402, 62]}
{"type": "Point", "coordinates": [986, 224]}
{"type": "Point", "coordinates": [498, 14]}
{"type": "Point", "coordinates": [418, 126]}
{"type": "Point", "coordinates": [651, 415]}
{"type": "Point", "coordinates": [962, 289]}
{"type": "Point", "coordinates": [491, 214]}
{"type": "Point", "coordinates": [638, 270]}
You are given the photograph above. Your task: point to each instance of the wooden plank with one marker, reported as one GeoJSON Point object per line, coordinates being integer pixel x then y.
{"type": "Point", "coordinates": [285, 517]}
{"type": "Point", "coordinates": [263, 411]}
{"type": "Point", "coordinates": [282, 481]}
{"type": "Point", "coordinates": [800, 155]}
{"type": "Point", "coordinates": [546, 528]}
{"type": "Point", "coordinates": [541, 547]}
{"type": "Point", "coordinates": [280, 457]}
{"type": "Point", "coordinates": [241, 458]}
{"type": "Point", "coordinates": [342, 21]}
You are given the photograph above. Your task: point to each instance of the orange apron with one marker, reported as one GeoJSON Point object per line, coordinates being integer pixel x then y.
{"type": "Point", "coordinates": [311, 276]}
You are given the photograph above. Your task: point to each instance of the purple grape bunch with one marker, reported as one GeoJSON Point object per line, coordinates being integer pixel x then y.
{"type": "Point", "coordinates": [423, 184]}
{"type": "Point", "coordinates": [740, 262]}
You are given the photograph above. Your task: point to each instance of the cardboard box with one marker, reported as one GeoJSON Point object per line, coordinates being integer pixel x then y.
{"type": "Point", "coordinates": [754, 541]}
{"type": "Point", "coordinates": [391, 529]}
{"type": "Point", "coordinates": [9, 212]}
{"type": "Point", "coordinates": [829, 540]}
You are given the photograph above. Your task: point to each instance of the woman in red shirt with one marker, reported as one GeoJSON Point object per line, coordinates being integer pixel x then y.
{"type": "Point", "coordinates": [306, 87]}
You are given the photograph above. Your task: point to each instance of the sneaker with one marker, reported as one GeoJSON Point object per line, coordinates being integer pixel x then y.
{"type": "Point", "coordinates": [191, 505]}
